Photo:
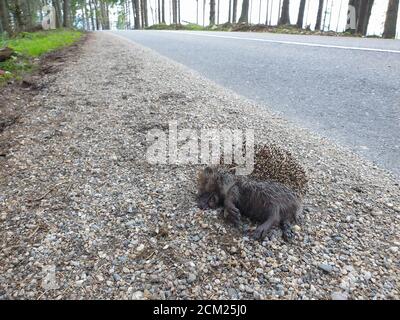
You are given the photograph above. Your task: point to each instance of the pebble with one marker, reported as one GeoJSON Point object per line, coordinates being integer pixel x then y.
{"type": "Point", "coordinates": [138, 295]}
{"type": "Point", "coordinates": [195, 238]}
{"type": "Point", "coordinates": [325, 267]}
{"type": "Point", "coordinates": [232, 293]}
{"type": "Point", "coordinates": [191, 278]}
{"type": "Point", "coordinates": [233, 250]}
{"type": "Point", "coordinates": [367, 275]}
{"type": "Point", "coordinates": [249, 289]}
{"type": "Point", "coordinates": [117, 277]}
{"type": "Point", "coordinates": [100, 278]}
{"type": "Point", "coordinates": [394, 249]}
{"type": "Point", "coordinates": [376, 212]}
{"type": "Point", "coordinates": [296, 228]}
{"type": "Point", "coordinates": [80, 282]}
{"type": "Point", "coordinates": [339, 296]}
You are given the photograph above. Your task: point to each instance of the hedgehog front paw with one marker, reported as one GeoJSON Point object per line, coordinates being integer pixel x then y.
{"type": "Point", "coordinates": [287, 233]}
{"type": "Point", "coordinates": [260, 233]}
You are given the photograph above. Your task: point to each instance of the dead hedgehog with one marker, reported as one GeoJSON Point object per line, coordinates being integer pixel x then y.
{"type": "Point", "coordinates": [268, 202]}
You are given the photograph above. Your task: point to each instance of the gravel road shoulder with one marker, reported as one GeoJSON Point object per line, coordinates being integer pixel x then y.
{"type": "Point", "coordinates": [83, 215]}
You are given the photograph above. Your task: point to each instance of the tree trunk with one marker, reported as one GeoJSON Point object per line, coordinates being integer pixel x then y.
{"type": "Point", "coordinates": [84, 19]}
{"type": "Point", "coordinates": [121, 22]}
{"type": "Point", "coordinates": [230, 12]}
{"type": "Point", "coordinates": [279, 9]}
{"type": "Point", "coordinates": [212, 12]}
{"type": "Point", "coordinates": [141, 14]}
{"type": "Point", "coordinates": [136, 13]}
{"type": "Point", "coordinates": [108, 16]}
{"type": "Point", "coordinates": [197, 12]}
{"type": "Point", "coordinates": [391, 19]}
{"type": "Point", "coordinates": [244, 16]}
{"type": "Point", "coordinates": [174, 12]}
{"type": "Point", "coordinates": [5, 17]}
{"type": "Point", "coordinates": [18, 20]}
{"type": "Point", "coordinates": [163, 11]}
{"type": "Point", "coordinates": [270, 12]}
{"type": "Point", "coordinates": [285, 19]}
{"type": "Point", "coordinates": [179, 11]}
{"type": "Point", "coordinates": [91, 15]}
{"type": "Point", "coordinates": [87, 27]}
{"type": "Point", "coordinates": [96, 11]}
{"type": "Point", "coordinates": [159, 11]}
{"type": "Point", "coordinates": [234, 11]}
{"type": "Point", "coordinates": [354, 6]}
{"type": "Point", "coordinates": [300, 16]}
{"type": "Point", "coordinates": [145, 11]}
{"type": "Point", "coordinates": [250, 10]}
{"type": "Point", "coordinates": [369, 11]}
{"type": "Point", "coordinates": [325, 14]}
{"type": "Point", "coordinates": [27, 14]}
{"type": "Point", "coordinates": [41, 5]}
{"type": "Point", "coordinates": [218, 10]}
{"type": "Point", "coordinates": [127, 16]}
{"type": "Point", "coordinates": [204, 12]}
{"type": "Point", "coordinates": [319, 15]}
{"type": "Point", "coordinates": [67, 14]}
{"type": "Point", "coordinates": [330, 16]}
{"type": "Point", "coordinates": [103, 15]}
{"type": "Point", "coordinates": [362, 13]}
{"type": "Point", "coordinates": [267, 14]}
{"type": "Point", "coordinates": [363, 10]}
{"type": "Point", "coordinates": [57, 7]}
{"type": "Point", "coordinates": [73, 12]}
{"type": "Point", "coordinates": [361, 16]}
{"type": "Point", "coordinates": [170, 11]}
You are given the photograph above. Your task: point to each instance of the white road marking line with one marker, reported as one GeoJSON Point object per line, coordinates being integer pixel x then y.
{"type": "Point", "coordinates": [287, 42]}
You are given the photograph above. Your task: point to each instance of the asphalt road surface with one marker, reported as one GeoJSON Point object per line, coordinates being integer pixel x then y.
{"type": "Point", "coordinates": [346, 89]}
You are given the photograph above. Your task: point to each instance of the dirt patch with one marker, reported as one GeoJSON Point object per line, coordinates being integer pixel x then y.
{"type": "Point", "coordinates": [16, 97]}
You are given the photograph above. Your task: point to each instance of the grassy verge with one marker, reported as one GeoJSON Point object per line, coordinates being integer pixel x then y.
{"type": "Point", "coordinates": [190, 27]}
{"type": "Point", "coordinates": [29, 46]}
{"type": "Point", "coordinates": [286, 29]}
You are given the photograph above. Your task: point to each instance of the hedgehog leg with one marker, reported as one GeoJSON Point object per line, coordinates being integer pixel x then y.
{"type": "Point", "coordinates": [203, 200]}
{"type": "Point", "coordinates": [287, 232]}
{"type": "Point", "coordinates": [262, 230]}
{"type": "Point", "coordinates": [231, 212]}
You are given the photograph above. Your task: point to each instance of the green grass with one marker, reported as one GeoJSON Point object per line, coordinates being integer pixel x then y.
{"type": "Point", "coordinates": [28, 46]}
{"type": "Point", "coordinates": [37, 43]}
{"type": "Point", "coordinates": [286, 29]}
{"type": "Point", "coordinates": [194, 27]}
{"type": "Point", "coordinates": [190, 26]}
